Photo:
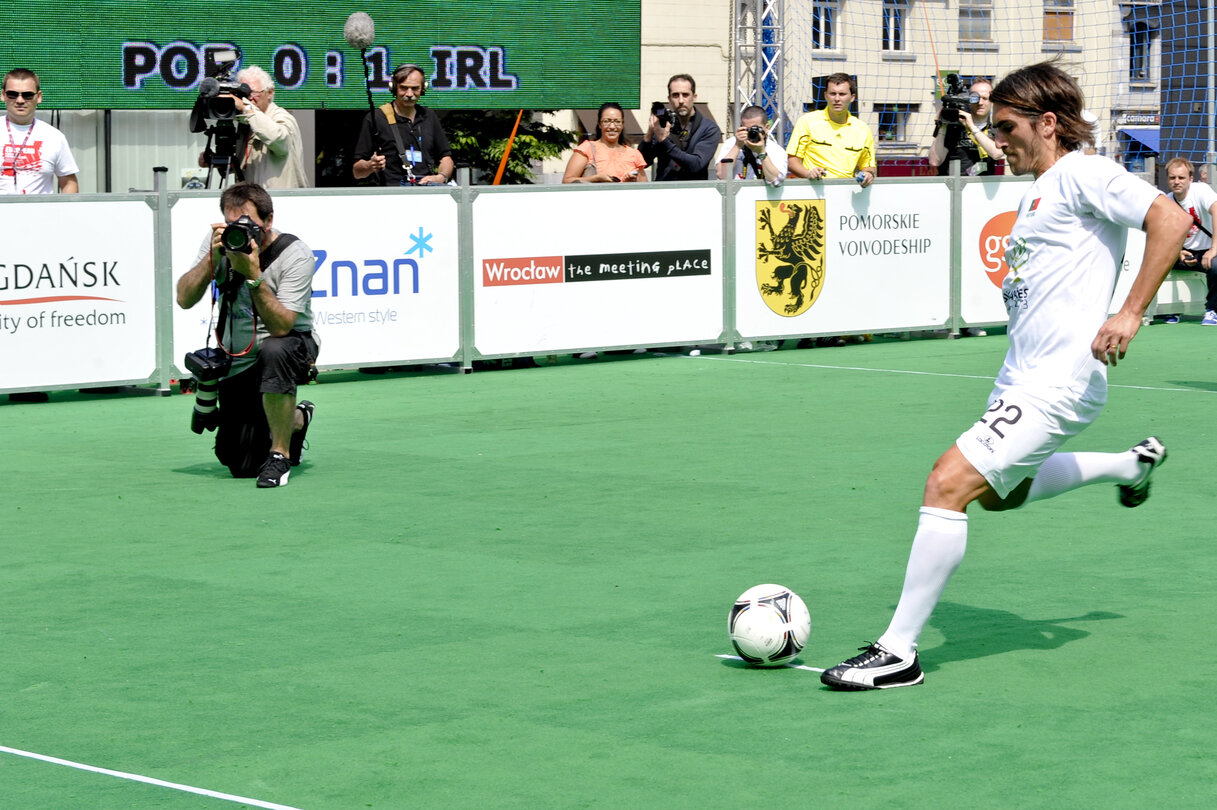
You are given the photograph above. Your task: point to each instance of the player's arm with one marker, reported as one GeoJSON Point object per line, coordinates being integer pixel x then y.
{"type": "Point", "coordinates": [1166, 226]}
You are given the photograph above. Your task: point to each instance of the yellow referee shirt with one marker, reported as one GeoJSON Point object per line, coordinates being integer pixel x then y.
{"type": "Point", "coordinates": [838, 149]}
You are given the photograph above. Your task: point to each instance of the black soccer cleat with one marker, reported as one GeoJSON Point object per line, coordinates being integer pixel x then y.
{"type": "Point", "coordinates": [1151, 453]}
{"type": "Point", "coordinates": [875, 668]}
{"type": "Point", "coordinates": [296, 448]}
{"type": "Point", "coordinates": [275, 471]}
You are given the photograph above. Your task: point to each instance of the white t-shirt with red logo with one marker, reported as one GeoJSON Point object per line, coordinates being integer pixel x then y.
{"type": "Point", "coordinates": [1198, 201]}
{"type": "Point", "coordinates": [33, 156]}
{"type": "Point", "coordinates": [1064, 252]}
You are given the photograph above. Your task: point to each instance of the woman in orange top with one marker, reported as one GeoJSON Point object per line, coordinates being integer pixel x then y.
{"type": "Point", "coordinates": [607, 156]}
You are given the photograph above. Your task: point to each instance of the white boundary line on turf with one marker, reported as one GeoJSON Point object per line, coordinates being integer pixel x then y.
{"type": "Point", "coordinates": [783, 666]}
{"type": "Point", "coordinates": [4, 749]}
{"type": "Point", "coordinates": [990, 377]}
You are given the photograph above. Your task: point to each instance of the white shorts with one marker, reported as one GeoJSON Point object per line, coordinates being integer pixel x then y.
{"type": "Point", "coordinates": [1022, 428]}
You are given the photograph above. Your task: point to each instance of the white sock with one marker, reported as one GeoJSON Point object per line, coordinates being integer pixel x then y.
{"type": "Point", "coordinates": [938, 547]}
{"type": "Point", "coordinates": [1063, 472]}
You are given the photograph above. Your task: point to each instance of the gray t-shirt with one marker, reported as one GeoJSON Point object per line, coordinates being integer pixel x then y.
{"type": "Point", "coordinates": [289, 277]}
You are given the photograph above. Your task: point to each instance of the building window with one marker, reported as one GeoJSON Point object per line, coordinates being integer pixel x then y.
{"type": "Point", "coordinates": [1058, 21]}
{"type": "Point", "coordinates": [892, 122]}
{"type": "Point", "coordinates": [975, 20]}
{"type": "Point", "coordinates": [824, 24]}
{"type": "Point", "coordinates": [1138, 53]}
{"type": "Point", "coordinates": [1140, 21]}
{"type": "Point", "coordinates": [893, 24]}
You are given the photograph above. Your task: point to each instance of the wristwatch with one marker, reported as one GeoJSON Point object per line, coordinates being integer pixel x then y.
{"type": "Point", "coordinates": [253, 283]}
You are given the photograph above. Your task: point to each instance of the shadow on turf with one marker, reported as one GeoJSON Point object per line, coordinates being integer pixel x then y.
{"type": "Point", "coordinates": [972, 632]}
{"type": "Point", "coordinates": [1201, 385]}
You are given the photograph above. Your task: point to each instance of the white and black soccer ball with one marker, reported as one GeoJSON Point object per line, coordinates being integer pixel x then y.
{"type": "Point", "coordinates": [769, 625]}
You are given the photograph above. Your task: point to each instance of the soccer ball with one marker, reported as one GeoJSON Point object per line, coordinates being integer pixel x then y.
{"type": "Point", "coordinates": [769, 625]}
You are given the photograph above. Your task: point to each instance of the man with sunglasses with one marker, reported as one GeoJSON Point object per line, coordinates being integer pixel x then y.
{"type": "Point", "coordinates": [33, 150]}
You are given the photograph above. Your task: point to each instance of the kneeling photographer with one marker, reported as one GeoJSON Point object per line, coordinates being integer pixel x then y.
{"type": "Point", "coordinates": [263, 288]}
{"type": "Point", "coordinates": [962, 131]}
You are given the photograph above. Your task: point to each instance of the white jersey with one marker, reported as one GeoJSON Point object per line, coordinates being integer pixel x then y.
{"type": "Point", "coordinates": [1198, 201]}
{"type": "Point", "coordinates": [1064, 252]}
{"type": "Point", "coordinates": [34, 155]}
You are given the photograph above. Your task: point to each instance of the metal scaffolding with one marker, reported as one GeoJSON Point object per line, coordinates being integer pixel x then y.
{"type": "Point", "coordinates": [759, 61]}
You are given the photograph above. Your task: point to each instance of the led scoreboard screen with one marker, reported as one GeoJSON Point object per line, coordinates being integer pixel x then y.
{"type": "Point", "coordinates": [478, 54]}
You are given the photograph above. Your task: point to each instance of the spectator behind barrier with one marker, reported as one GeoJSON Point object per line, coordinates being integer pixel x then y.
{"type": "Point", "coordinates": [967, 137]}
{"type": "Point", "coordinates": [410, 147]}
{"type": "Point", "coordinates": [36, 151]}
{"type": "Point", "coordinates": [1200, 201]}
{"type": "Point", "coordinates": [607, 156]}
{"type": "Point", "coordinates": [752, 152]}
{"type": "Point", "coordinates": [678, 139]}
{"type": "Point", "coordinates": [832, 142]}
{"type": "Point", "coordinates": [263, 284]}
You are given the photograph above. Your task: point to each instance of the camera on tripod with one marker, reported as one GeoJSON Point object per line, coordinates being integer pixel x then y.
{"type": "Point", "coordinates": [957, 99]}
{"type": "Point", "coordinates": [214, 112]}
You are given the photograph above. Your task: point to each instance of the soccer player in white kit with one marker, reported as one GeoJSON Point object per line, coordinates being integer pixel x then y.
{"type": "Point", "coordinates": [1064, 251]}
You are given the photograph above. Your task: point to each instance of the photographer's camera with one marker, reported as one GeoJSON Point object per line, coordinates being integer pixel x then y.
{"type": "Point", "coordinates": [663, 116]}
{"type": "Point", "coordinates": [756, 134]}
{"type": "Point", "coordinates": [209, 366]}
{"type": "Point", "coordinates": [241, 235]}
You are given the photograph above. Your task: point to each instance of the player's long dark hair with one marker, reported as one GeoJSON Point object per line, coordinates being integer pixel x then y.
{"type": "Point", "coordinates": [1043, 87]}
{"type": "Point", "coordinates": [611, 105]}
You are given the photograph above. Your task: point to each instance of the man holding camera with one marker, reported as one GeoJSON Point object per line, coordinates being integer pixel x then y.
{"type": "Point", "coordinates": [264, 287]}
{"type": "Point", "coordinates": [833, 142]}
{"type": "Point", "coordinates": [751, 152]}
{"type": "Point", "coordinates": [274, 151]}
{"type": "Point", "coordinates": [680, 141]}
{"type": "Point", "coordinates": [410, 147]}
{"type": "Point", "coordinates": [963, 134]}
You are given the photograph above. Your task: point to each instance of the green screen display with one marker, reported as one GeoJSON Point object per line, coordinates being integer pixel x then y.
{"type": "Point", "coordinates": [478, 54]}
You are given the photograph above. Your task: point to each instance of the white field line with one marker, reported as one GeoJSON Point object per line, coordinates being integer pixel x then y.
{"type": "Point", "coordinates": [990, 377]}
{"type": "Point", "coordinates": [4, 749]}
{"type": "Point", "coordinates": [784, 666]}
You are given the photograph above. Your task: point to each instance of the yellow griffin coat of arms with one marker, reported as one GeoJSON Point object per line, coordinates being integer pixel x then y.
{"type": "Point", "coordinates": [790, 260]}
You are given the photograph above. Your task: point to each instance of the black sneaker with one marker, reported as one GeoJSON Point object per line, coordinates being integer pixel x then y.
{"type": "Point", "coordinates": [296, 448]}
{"type": "Point", "coordinates": [875, 668]}
{"type": "Point", "coordinates": [274, 472]}
{"type": "Point", "coordinates": [1151, 453]}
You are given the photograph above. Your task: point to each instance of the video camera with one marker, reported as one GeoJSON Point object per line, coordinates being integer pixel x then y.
{"type": "Point", "coordinates": [956, 99]}
{"type": "Point", "coordinates": [218, 82]}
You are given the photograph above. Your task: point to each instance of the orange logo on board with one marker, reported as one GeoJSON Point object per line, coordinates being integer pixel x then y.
{"type": "Point", "coordinates": [994, 237]}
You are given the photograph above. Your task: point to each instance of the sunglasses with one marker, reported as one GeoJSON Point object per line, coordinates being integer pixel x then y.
{"type": "Point", "coordinates": [13, 95]}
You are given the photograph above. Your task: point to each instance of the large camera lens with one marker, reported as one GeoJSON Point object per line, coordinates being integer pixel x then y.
{"type": "Point", "coordinates": [241, 235]}
{"type": "Point", "coordinates": [756, 135]}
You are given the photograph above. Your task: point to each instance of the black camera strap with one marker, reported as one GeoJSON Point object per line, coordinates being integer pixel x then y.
{"type": "Point", "coordinates": [395, 128]}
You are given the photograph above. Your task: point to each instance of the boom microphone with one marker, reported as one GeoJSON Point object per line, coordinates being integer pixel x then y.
{"type": "Point", "coordinates": [360, 31]}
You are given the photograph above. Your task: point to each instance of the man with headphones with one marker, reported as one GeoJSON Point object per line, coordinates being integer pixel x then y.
{"type": "Point", "coordinates": [409, 147]}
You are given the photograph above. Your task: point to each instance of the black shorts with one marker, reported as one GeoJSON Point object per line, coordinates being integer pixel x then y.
{"type": "Point", "coordinates": [286, 362]}
{"type": "Point", "coordinates": [243, 436]}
